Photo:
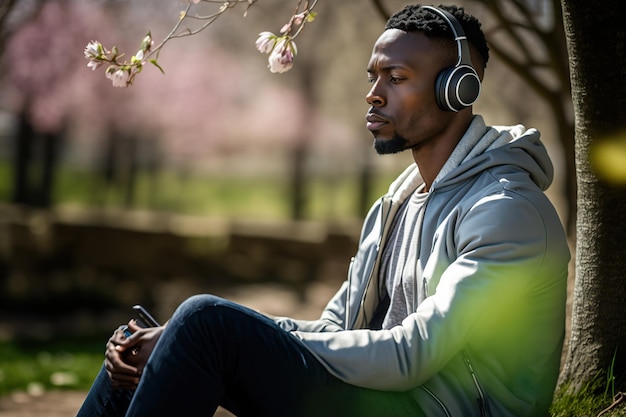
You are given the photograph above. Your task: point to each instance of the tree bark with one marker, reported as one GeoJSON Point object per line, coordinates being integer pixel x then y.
{"type": "Point", "coordinates": [596, 40]}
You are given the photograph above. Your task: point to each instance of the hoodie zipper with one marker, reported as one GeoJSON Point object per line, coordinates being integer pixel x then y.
{"type": "Point", "coordinates": [347, 320]}
{"type": "Point", "coordinates": [386, 205]}
{"type": "Point", "coordinates": [421, 215]}
{"type": "Point", "coordinates": [437, 400]}
{"type": "Point", "coordinates": [482, 404]}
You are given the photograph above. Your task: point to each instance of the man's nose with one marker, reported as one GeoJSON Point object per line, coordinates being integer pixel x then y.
{"type": "Point", "coordinates": [374, 97]}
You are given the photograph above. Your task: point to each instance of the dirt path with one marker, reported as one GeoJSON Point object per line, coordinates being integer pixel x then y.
{"type": "Point", "coordinates": [51, 404]}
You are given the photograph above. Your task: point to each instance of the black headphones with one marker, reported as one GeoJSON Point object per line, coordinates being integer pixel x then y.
{"type": "Point", "coordinates": [456, 87]}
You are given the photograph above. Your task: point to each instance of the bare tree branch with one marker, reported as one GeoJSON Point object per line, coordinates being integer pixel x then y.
{"type": "Point", "coordinates": [6, 8]}
{"type": "Point", "coordinates": [381, 9]}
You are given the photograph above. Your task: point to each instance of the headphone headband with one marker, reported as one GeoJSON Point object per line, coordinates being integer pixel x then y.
{"type": "Point", "coordinates": [462, 43]}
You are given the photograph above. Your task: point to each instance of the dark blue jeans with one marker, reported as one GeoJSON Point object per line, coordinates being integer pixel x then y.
{"type": "Point", "coordinates": [216, 352]}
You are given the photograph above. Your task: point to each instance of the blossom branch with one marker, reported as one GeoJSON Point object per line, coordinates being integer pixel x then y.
{"type": "Point", "coordinates": [282, 49]}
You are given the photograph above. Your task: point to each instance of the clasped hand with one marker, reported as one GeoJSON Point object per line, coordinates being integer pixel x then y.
{"type": "Point", "coordinates": [125, 357]}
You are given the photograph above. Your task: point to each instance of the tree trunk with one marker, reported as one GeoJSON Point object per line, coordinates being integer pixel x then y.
{"type": "Point", "coordinates": [596, 40]}
{"type": "Point", "coordinates": [131, 170]}
{"type": "Point", "coordinates": [301, 147]}
{"type": "Point", "coordinates": [35, 162]}
{"type": "Point", "coordinates": [565, 129]}
{"type": "Point", "coordinates": [298, 180]}
{"type": "Point", "coordinates": [23, 143]}
{"type": "Point", "coordinates": [50, 148]}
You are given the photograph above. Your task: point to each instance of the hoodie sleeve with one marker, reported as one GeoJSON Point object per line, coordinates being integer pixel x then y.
{"type": "Point", "coordinates": [331, 319]}
{"type": "Point", "coordinates": [481, 266]}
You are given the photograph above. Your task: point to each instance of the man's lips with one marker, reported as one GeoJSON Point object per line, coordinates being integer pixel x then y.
{"type": "Point", "coordinates": [375, 121]}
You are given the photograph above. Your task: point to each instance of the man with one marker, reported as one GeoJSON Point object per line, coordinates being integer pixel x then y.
{"type": "Point", "coordinates": [454, 303]}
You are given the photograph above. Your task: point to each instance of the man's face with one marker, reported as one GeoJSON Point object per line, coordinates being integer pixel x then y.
{"type": "Point", "coordinates": [402, 70]}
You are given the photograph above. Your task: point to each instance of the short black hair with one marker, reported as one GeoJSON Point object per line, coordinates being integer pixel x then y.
{"type": "Point", "coordinates": [415, 18]}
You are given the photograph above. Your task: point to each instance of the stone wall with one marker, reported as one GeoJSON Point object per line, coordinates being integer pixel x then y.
{"type": "Point", "coordinates": [84, 263]}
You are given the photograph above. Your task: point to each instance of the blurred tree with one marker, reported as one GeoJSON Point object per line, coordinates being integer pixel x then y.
{"type": "Point", "coordinates": [301, 147]}
{"type": "Point", "coordinates": [36, 155]}
{"type": "Point", "coordinates": [596, 40]}
{"type": "Point", "coordinates": [35, 143]}
{"type": "Point", "coordinates": [12, 18]}
{"type": "Point", "coordinates": [6, 6]}
{"type": "Point", "coordinates": [48, 88]}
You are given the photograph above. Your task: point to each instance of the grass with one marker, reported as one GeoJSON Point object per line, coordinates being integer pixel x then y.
{"type": "Point", "coordinates": [599, 397]}
{"type": "Point", "coordinates": [589, 401]}
{"type": "Point", "coordinates": [214, 195]}
{"type": "Point", "coordinates": [37, 367]}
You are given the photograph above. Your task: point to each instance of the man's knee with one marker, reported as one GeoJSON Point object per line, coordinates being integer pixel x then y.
{"type": "Point", "coordinates": [198, 306]}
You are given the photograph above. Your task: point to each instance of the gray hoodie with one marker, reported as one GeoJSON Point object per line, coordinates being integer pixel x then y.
{"type": "Point", "coordinates": [486, 334]}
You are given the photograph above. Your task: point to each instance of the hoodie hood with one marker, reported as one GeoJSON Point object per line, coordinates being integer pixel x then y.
{"type": "Point", "coordinates": [481, 148]}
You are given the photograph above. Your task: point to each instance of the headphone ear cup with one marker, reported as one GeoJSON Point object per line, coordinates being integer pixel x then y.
{"type": "Point", "coordinates": [467, 86]}
{"type": "Point", "coordinates": [441, 89]}
{"type": "Point", "coordinates": [457, 88]}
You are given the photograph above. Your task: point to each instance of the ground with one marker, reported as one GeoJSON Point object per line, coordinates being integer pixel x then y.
{"type": "Point", "coordinates": [271, 299]}
{"type": "Point", "coordinates": [51, 404]}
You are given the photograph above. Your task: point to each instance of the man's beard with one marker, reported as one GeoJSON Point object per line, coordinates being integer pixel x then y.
{"type": "Point", "coordinates": [395, 144]}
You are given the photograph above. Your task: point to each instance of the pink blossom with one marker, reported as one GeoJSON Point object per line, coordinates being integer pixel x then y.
{"type": "Point", "coordinates": [281, 58]}
{"type": "Point", "coordinates": [118, 76]}
{"type": "Point", "coordinates": [138, 56]}
{"type": "Point", "coordinates": [93, 50]}
{"type": "Point", "coordinates": [93, 64]}
{"type": "Point", "coordinates": [286, 27]}
{"type": "Point", "coordinates": [299, 19]}
{"type": "Point", "coordinates": [266, 42]}
{"type": "Point", "coordinates": [94, 53]}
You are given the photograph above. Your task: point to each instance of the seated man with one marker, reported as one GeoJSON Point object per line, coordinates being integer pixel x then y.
{"type": "Point", "coordinates": [454, 303]}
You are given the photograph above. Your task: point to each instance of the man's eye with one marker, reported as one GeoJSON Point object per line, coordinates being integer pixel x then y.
{"type": "Point", "coordinates": [371, 80]}
{"type": "Point", "coordinates": [395, 80]}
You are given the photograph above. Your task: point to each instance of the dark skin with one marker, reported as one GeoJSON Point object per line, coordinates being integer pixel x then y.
{"type": "Point", "coordinates": [403, 69]}
{"type": "Point", "coordinates": [125, 357]}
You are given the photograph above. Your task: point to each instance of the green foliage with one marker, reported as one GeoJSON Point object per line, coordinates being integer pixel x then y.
{"type": "Point", "coordinates": [36, 368]}
{"type": "Point", "coordinates": [5, 181]}
{"type": "Point", "coordinates": [195, 194]}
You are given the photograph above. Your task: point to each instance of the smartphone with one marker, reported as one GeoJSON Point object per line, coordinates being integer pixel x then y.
{"type": "Point", "coordinates": [145, 318]}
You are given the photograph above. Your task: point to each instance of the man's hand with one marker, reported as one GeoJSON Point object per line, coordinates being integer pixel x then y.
{"type": "Point", "coordinates": [125, 357]}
